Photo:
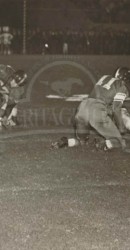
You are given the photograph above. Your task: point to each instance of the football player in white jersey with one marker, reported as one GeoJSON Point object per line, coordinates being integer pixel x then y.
{"type": "Point", "coordinates": [9, 80]}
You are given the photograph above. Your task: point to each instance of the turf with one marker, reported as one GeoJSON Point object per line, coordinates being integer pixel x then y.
{"type": "Point", "coordinates": [71, 199]}
{"type": "Point", "coordinates": [66, 199]}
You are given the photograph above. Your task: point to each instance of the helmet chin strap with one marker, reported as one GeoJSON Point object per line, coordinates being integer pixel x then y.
{"type": "Point", "coordinates": [22, 80]}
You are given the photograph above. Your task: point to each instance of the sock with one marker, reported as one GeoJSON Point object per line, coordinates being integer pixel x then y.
{"type": "Point", "coordinates": [72, 142]}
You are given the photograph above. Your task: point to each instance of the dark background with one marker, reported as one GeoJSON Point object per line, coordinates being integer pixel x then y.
{"type": "Point", "coordinates": [88, 26]}
{"type": "Point", "coordinates": [11, 12]}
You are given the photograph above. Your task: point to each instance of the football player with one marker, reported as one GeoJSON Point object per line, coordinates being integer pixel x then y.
{"type": "Point", "coordinates": [103, 112]}
{"type": "Point", "coordinates": [9, 80]}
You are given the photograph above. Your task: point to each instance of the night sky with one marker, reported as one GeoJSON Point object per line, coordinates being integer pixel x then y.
{"type": "Point", "coordinates": [11, 13]}
{"type": "Point", "coordinates": [51, 13]}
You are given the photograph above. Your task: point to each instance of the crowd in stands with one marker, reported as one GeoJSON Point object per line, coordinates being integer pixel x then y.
{"type": "Point", "coordinates": [94, 41]}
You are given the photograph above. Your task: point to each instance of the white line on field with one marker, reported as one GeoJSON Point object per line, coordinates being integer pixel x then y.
{"type": "Point", "coordinates": [38, 188]}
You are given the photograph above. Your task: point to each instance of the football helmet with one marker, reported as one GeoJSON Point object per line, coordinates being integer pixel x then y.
{"type": "Point", "coordinates": [20, 77]}
{"type": "Point", "coordinates": [123, 73]}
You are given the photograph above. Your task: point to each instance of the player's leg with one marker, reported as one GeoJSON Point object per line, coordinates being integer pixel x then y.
{"type": "Point", "coordinates": [104, 125]}
{"type": "Point", "coordinates": [11, 114]}
{"type": "Point", "coordinates": [2, 108]}
{"type": "Point", "coordinates": [81, 131]}
{"type": "Point", "coordinates": [82, 125]}
{"type": "Point", "coordinates": [80, 135]}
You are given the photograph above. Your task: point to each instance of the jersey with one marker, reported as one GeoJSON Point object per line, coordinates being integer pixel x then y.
{"type": "Point", "coordinates": [110, 90]}
{"type": "Point", "coordinates": [6, 71]}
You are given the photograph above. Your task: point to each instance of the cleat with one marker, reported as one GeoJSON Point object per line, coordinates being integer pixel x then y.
{"type": "Point", "coordinates": [62, 143]}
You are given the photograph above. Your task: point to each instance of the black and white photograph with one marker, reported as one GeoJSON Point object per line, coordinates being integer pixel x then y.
{"type": "Point", "coordinates": [64, 124]}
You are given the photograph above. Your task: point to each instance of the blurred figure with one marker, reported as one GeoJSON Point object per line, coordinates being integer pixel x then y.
{"type": "Point", "coordinates": [65, 48]}
{"type": "Point", "coordinates": [6, 40]}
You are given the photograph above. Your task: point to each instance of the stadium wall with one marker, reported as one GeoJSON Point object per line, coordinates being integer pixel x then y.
{"type": "Point", "coordinates": [53, 80]}
{"type": "Point", "coordinates": [63, 74]}
{"type": "Point", "coordinates": [100, 64]}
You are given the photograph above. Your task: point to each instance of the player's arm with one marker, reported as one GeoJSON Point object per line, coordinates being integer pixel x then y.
{"type": "Point", "coordinates": [117, 105]}
{"type": "Point", "coordinates": [126, 104]}
{"type": "Point", "coordinates": [5, 98]}
{"type": "Point", "coordinates": [4, 105]}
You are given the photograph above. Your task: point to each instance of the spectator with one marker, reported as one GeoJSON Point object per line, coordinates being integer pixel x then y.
{"type": "Point", "coordinates": [65, 48]}
{"type": "Point", "coordinates": [6, 40]}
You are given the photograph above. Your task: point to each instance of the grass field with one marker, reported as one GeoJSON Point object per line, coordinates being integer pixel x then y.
{"type": "Point", "coordinates": [66, 199]}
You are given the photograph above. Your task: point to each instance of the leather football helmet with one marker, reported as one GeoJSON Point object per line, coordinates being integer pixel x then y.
{"type": "Point", "coordinates": [20, 77]}
{"type": "Point", "coordinates": [123, 73]}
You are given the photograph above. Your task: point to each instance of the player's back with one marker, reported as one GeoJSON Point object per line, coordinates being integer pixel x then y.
{"type": "Point", "coordinates": [106, 89]}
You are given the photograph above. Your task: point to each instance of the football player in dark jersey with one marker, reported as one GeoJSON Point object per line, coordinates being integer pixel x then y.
{"type": "Point", "coordinates": [103, 111]}
{"type": "Point", "coordinates": [9, 79]}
